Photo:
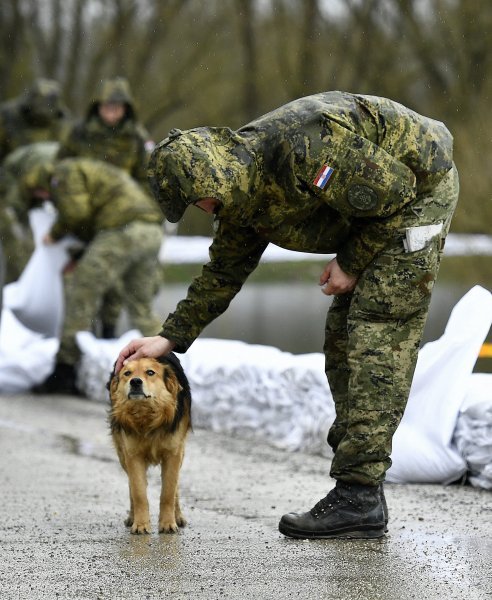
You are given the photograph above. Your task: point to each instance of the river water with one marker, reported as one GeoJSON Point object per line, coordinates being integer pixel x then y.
{"type": "Point", "coordinates": [291, 316]}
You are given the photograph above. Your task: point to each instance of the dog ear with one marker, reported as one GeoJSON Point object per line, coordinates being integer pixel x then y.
{"type": "Point", "coordinates": [112, 376]}
{"type": "Point", "coordinates": [171, 382]}
{"type": "Point", "coordinates": [112, 384]}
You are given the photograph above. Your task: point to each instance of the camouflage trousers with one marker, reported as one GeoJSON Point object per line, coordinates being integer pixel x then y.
{"type": "Point", "coordinates": [372, 339]}
{"type": "Point", "coordinates": [124, 258]}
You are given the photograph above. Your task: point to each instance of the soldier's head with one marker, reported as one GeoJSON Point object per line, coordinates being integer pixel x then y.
{"type": "Point", "coordinates": [201, 164]}
{"type": "Point", "coordinates": [42, 101]}
{"type": "Point", "coordinates": [113, 102]}
{"type": "Point", "coordinates": [35, 184]}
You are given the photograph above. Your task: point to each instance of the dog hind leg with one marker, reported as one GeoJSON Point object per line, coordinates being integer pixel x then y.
{"type": "Point", "coordinates": [129, 519]}
{"type": "Point", "coordinates": [180, 520]}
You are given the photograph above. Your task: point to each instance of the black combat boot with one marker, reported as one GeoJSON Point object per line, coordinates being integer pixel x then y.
{"type": "Point", "coordinates": [61, 381]}
{"type": "Point", "coordinates": [385, 507]}
{"type": "Point", "coordinates": [350, 510]}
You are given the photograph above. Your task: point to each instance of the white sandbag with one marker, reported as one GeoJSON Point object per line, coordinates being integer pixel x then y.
{"type": "Point", "coordinates": [26, 357]}
{"type": "Point", "coordinates": [260, 392]}
{"type": "Point", "coordinates": [97, 362]}
{"type": "Point", "coordinates": [473, 433]}
{"type": "Point", "coordinates": [422, 448]}
{"type": "Point", "coordinates": [36, 298]}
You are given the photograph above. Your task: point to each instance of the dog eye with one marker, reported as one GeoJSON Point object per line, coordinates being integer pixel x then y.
{"type": "Point", "coordinates": [150, 372]}
{"type": "Point", "coordinates": [127, 373]}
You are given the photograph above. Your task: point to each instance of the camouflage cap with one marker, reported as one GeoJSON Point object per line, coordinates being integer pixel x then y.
{"type": "Point", "coordinates": [24, 158]}
{"type": "Point", "coordinates": [194, 164]}
{"type": "Point", "coordinates": [44, 97]}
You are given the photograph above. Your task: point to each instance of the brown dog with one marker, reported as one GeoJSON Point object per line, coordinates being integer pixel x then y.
{"type": "Point", "coordinates": [150, 417]}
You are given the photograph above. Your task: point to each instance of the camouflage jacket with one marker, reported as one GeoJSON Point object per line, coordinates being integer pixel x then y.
{"type": "Point", "coordinates": [333, 172]}
{"type": "Point", "coordinates": [125, 145]}
{"type": "Point", "coordinates": [36, 116]}
{"type": "Point", "coordinates": [91, 196]}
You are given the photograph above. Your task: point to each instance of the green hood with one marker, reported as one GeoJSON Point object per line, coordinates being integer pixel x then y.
{"type": "Point", "coordinates": [206, 162]}
{"type": "Point", "coordinates": [114, 90]}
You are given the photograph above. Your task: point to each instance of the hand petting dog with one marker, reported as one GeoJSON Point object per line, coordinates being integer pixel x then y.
{"type": "Point", "coordinates": [146, 347]}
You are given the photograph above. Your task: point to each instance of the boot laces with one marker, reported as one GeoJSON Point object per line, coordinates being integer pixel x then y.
{"type": "Point", "coordinates": [332, 501]}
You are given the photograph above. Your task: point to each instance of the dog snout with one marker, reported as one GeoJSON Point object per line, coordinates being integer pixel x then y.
{"type": "Point", "coordinates": [136, 382]}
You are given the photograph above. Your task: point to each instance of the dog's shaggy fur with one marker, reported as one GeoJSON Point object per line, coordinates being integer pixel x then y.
{"type": "Point", "coordinates": [150, 417]}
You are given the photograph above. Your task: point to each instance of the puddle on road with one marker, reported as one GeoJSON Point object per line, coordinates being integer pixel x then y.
{"type": "Point", "coordinates": [67, 443]}
{"type": "Point", "coordinates": [79, 447]}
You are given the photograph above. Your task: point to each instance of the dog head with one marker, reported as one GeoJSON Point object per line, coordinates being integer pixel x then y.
{"type": "Point", "coordinates": [148, 393]}
{"type": "Point", "coordinates": [144, 379]}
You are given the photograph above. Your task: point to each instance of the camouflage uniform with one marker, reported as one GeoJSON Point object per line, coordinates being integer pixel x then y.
{"type": "Point", "coordinates": [37, 116]}
{"type": "Point", "coordinates": [333, 172]}
{"type": "Point", "coordinates": [15, 231]}
{"type": "Point", "coordinates": [104, 207]}
{"type": "Point", "coordinates": [125, 145]}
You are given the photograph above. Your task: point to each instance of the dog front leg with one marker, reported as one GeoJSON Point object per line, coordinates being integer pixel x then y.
{"type": "Point", "coordinates": [169, 519]}
{"type": "Point", "coordinates": [139, 505]}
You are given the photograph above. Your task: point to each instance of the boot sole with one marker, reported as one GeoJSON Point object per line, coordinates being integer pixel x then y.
{"type": "Point", "coordinates": [357, 534]}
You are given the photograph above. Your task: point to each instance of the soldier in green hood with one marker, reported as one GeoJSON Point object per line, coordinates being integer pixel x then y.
{"type": "Point", "coordinates": [121, 226]}
{"type": "Point", "coordinates": [37, 115]}
{"type": "Point", "coordinates": [111, 132]}
{"type": "Point", "coordinates": [359, 176]}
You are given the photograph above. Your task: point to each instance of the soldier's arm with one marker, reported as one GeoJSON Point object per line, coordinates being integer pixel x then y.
{"type": "Point", "coordinates": [366, 185]}
{"type": "Point", "coordinates": [72, 200]}
{"type": "Point", "coordinates": [375, 216]}
{"type": "Point", "coordinates": [366, 240]}
{"type": "Point", "coordinates": [234, 254]}
{"type": "Point", "coordinates": [68, 145]}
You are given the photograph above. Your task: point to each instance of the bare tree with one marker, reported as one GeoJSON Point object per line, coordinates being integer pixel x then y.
{"type": "Point", "coordinates": [250, 104]}
{"type": "Point", "coordinates": [12, 36]}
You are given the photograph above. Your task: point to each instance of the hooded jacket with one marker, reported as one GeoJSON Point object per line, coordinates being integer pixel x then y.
{"type": "Point", "coordinates": [329, 173]}
{"type": "Point", "coordinates": [91, 196]}
{"type": "Point", "coordinates": [38, 115]}
{"type": "Point", "coordinates": [126, 145]}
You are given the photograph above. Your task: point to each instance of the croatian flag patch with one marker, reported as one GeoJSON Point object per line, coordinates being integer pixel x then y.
{"type": "Point", "coordinates": [323, 176]}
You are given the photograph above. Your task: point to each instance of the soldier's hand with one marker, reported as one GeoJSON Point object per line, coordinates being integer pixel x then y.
{"type": "Point", "coordinates": [150, 347]}
{"type": "Point", "coordinates": [335, 281]}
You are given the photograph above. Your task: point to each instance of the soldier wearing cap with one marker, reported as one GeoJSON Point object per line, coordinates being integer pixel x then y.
{"type": "Point", "coordinates": [360, 176]}
{"type": "Point", "coordinates": [121, 226]}
{"type": "Point", "coordinates": [38, 115]}
{"type": "Point", "coordinates": [111, 132]}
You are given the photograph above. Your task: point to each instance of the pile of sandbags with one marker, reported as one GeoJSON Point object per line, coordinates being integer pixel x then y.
{"type": "Point", "coordinates": [473, 432]}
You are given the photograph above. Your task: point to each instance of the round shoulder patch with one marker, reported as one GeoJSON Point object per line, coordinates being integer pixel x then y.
{"type": "Point", "coordinates": [362, 197]}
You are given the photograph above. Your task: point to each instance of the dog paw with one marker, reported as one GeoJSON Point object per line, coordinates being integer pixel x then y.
{"type": "Point", "coordinates": [129, 521]}
{"type": "Point", "coordinates": [181, 521]}
{"type": "Point", "coordinates": [168, 527]}
{"type": "Point", "coordinates": [138, 528]}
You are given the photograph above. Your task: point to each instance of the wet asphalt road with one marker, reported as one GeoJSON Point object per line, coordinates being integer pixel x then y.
{"type": "Point", "coordinates": [64, 498]}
